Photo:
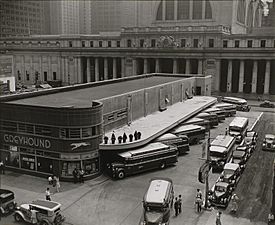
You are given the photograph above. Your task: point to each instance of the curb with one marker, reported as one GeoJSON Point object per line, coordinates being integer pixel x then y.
{"type": "Point", "coordinates": [254, 124]}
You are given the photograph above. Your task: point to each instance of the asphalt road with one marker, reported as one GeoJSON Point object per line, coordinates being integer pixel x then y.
{"type": "Point", "coordinates": [255, 186]}
{"type": "Point", "coordinates": [111, 202]}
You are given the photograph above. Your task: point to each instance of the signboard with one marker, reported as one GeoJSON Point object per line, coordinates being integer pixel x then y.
{"type": "Point", "coordinates": [203, 172]}
{"type": "Point", "coordinates": [6, 66]}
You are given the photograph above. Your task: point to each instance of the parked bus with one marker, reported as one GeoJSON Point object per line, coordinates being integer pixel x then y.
{"type": "Point", "coordinates": [197, 121]}
{"type": "Point", "coordinates": [221, 150]}
{"type": "Point", "coordinates": [219, 112]}
{"type": "Point", "coordinates": [230, 109]}
{"type": "Point", "coordinates": [195, 133]}
{"type": "Point", "coordinates": [151, 156]}
{"type": "Point", "coordinates": [238, 128]}
{"type": "Point", "coordinates": [158, 201]}
{"type": "Point", "coordinates": [212, 118]}
{"type": "Point", "coordinates": [241, 104]}
{"type": "Point", "coordinates": [181, 143]}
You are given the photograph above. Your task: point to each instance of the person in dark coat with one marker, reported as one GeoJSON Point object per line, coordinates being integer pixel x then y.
{"type": "Point", "coordinates": [113, 138]}
{"type": "Point", "coordinates": [119, 139]}
{"type": "Point", "coordinates": [124, 138]}
{"type": "Point", "coordinates": [131, 137]}
{"type": "Point", "coordinates": [136, 135]}
{"type": "Point", "coordinates": [176, 206]}
{"type": "Point", "coordinates": [81, 176]}
{"type": "Point", "coordinates": [180, 202]}
{"type": "Point", "coordinates": [106, 140]}
{"type": "Point", "coordinates": [75, 174]}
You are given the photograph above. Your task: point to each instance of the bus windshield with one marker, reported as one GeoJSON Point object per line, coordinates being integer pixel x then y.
{"type": "Point", "coordinates": [154, 208]}
{"type": "Point", "coordinates": [217, 154]}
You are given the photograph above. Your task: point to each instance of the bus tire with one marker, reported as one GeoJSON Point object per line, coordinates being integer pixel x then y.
{"type": "Point", "coordinates": [121, 174]}
{"type": "Point", "coordinates": [162, 165]}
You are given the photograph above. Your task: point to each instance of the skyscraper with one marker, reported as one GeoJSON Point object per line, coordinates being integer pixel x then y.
{"type": "Point", "coordinates": [23, 18]}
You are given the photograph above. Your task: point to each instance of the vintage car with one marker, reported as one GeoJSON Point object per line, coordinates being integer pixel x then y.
{"type": "Point", "coordinates": [220, 194]}
{"type": "Point", "coordinates": [46, 213]}
{"type": "Point", "coordinates": [240, 157]}
{"type": "Point", "coordinates": [245, 148]}
{"type": "Point", "coordinates": [7, 203]}
{"type": "Point", "coordinates": [252, 137]}
{"type": "Point", "coordinates": [231, 173]}
{"type": "Point", "coordinates": [267, 104]}
{"type": "Point", "coordinates": [269, 142]}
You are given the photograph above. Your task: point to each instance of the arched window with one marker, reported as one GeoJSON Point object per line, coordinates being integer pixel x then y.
{"type": "Point", "coordinates": [169, 10]}
{"type": "Point", "coordinates": [250, 15]}
{"type": "Point", "coordinates": [241, 11]}
{"type": "Point", "coordinates": [208, 10]}
{"type": "Point", "coordinates": [159, 12]}
{"type": "Point", "coordinates": [183, 10]}
{"type": "Point", "coordinates": [197, 9]}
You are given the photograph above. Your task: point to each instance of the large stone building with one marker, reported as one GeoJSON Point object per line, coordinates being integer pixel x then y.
{"type": "Point", "coordinates": [188, 37]}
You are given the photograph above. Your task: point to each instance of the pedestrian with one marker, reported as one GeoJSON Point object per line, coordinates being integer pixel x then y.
{"type": "Point", "coordinates": [119, 139]}
{"type": "Point", "coordinates": [48, 194]}
{"type": "Point", "coordinates": [139, 135]}
{"type": "Point", "coordinates": [57, 184]}
{"type": "Point", "coordinates": [135, 135]}
{"type": "Point", "coordinates": [218, 218]}
{"type": "Point", "coordinates": [176, 206]}
{"type": "Point", "coordinates": [105, 140]}
{"type": "Point", "coordinates": [81, 176]}
{"type": "Point", "coordinates": [199, 200]}
{"type": "Point", "coordinates": [33, 216]}
{"type": "Point", "coordinates": [180, 202]}
{"type": "Point", "coordinates": [131, 137]}
{"type": "Point", "coordinates": [234, 200]}
{"type": "Point", "coordinates": [54, 181]}
{"type": "Point", "coordinates": [2, 168]}
{"type": "Point", "coordinates": [226, 131]}
{"type": "Point", "coordinates": [113, 138]}
{"type": "Point", "coordinates": [124, 137]}
{"type": "Point", "coordinates": [75, 174]}
{"type": "Point", "coordinates": [50, 180]}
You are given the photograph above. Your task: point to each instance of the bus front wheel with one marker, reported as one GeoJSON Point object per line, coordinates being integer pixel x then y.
{"type": "Point", "coordinates": [121, 174]}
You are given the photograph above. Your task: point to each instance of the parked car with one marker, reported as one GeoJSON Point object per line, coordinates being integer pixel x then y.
{"type": "Point", "coordinates": [7, 203]}
{"type": "Point", "coordinates": [220, 194]}
{"type": "Point", "coordinates": [245, 148]}
{"type": "Point", "coordinates": [47, 212]}
{"type": "Point", "coordinates": [231, 173]}
{"type": "Point", "coordinates": [269, 142]}
{"type": "Point", "coordinates": [253, 135]}
{"type": "Point", "coordinates": [240, 157]}
{"type": "Point", "coordinates": [267, 104]}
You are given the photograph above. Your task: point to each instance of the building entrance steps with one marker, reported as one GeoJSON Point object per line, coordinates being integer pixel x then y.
{"type": "Point", "coordinates": [157, 123]}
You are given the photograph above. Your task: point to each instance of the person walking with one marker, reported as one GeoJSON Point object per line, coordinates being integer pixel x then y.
{"type": "Point", "coordinates": [113, 138]}
{"type": "Point", "coordinates": [198, 200]}
{"type": "Point", "coordinates": [218, 218]}
{"type": "Point", "coordinates": [180, 202]}
{"type": "Point", "coordinates": [234, 200]}
{"type": "Point", "coordinates": [48, 194]}
{"type": "Point", "coordinates": [57, 184]}
{"type": "Point", "coordinates": [176, 206]}
{"type": "Point", "coordinates": [75, 174]}
{"type": "Point", "coordinates": [81, 176]}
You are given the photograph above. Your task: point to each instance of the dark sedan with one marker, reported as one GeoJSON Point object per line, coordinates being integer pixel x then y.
{"type": "Point", "coordinates": [267, 104]}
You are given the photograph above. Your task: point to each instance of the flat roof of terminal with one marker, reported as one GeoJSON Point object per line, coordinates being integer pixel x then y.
{"type": "Point", "coordinates": [83, 97]}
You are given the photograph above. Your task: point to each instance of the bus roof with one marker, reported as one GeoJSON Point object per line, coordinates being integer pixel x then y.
{"type": "Point", "coordinates": [205, 114]}
{"type": "Point", "coordinates": [238, 121]}
{"type": "Point", "coordinates": [219, 149]}
{"type": "Point", "coordinates": [157, 191]}
{"type": "Point", "coordinates": [188, 128]}
{"type": "Point", "coordinates": [224, 105]}
{"type": "Point", "coordinates": [145, 149]}
{"type": "Point", "coordinates": [213, 110]}
{"type": "Point", "coordinates": [234, 99]}
{"type": "Point", "coordinates": [193, 120]}
{"type": "Point", "coordinates": [167, 136]}
{"type": "Point", "coordinates": [222, 141]}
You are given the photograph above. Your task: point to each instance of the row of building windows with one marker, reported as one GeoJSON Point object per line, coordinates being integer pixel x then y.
{"type": "Point", "coordinates": [47, 131]}
{"type": "Point", "coordinates": [142, 43]}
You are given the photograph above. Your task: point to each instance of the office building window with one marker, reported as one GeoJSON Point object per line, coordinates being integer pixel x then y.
{"type": "Point", "coordinates": [211, 43]}
{"type": "Point", "coordinates": [141, 43]}
{"type": "Point", "coordinates": [225, 43]}
{"type": "Point", "coordinates": [182, 43]}
{"type": "Point", "coordinates": [129, 43]}
{"type": "Point", "coordinates": [70, 44]}
{"type": "Point", "coordinates": [109, 44]}
{"type": "Point", "coordinates": [118, 44]}
{"type": "Point", "coordinates": [91, 44]}
{"type": "Point", "coordinates": [83, 44]}
{"type": "Point", "coordinates": [54, 75]}
{"type": "Point", "coordinates": [100, 44]}
{"type": "Point", "coordinates": [237, 43]}
{"type": "Point", "coordinates": [195, 43]}
{"type": "Point", "coordinates": [153, 43]}
{"type": "Point", "coordinates": [249, 43]}
{"type": "Point", "coordinates": [263, 42]}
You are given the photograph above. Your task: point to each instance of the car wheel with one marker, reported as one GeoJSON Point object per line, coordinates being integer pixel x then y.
{"type": "Point", "coordinates": [121, 174]}
{"type": "Point", "coordinates": [162, 165]}
{"type": "Point", "coordinates": [44, 223]}
{"type": "Point", "coordinates": [11, 207]}
{"type": "Point", "coordinates": [17, 217]}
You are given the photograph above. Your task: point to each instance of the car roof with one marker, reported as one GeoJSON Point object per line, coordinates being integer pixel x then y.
{"type": "Point", "coordinates": [270, 136]}
{"type": "Point", "coordinates": [231, 166]}
{"type": "Point", "coordinates": [222, 184]}
{"type": "Point", "coordinates": [44, 204]}
{"type": "Point", "coordinates": [238, 153]}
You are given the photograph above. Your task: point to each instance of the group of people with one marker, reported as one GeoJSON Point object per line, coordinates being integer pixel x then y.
{"type": "Point", "coordinates": [123, 139]}
{"type": "Point", "coordinates": [177, 205]}
{"type": "Point", "coordinates": [78, 175]}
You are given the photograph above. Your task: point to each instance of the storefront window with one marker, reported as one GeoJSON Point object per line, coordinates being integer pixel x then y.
{"type": "Point", "coordinates": [90, 166]}
{"type": "Point", "coordinates": [68, 167]}
{"type": "Point", "coordinates": [44, 165]}
{"type": "Point", "coordinates": [27, 162]}
{"type": "Point", "coordinates": [10, 158]}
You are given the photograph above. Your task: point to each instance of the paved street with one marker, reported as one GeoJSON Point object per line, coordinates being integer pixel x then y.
{"type": "Point", "coordinates": [103, 201]}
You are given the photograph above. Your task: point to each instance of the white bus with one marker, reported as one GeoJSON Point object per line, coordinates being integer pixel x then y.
{"type": "Point", "coordinates": [195, 133]}
{"type": "Point", "coordinates": [238, 128]}
{"type": "Point", "coordinates": [219, 112]}
{"type": "Point", "coordinates": [151, 156]}
{"type": "Point", "coordinates": [241, 104]}
{"type": "Point", "coordinates": [221, 150]}
{"type": "Point", "coordinates": [158, 201]}
{"type": "Point", "coordinates": [197, 121]}
{"type": "Point", "coordinates": [230, 109]}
